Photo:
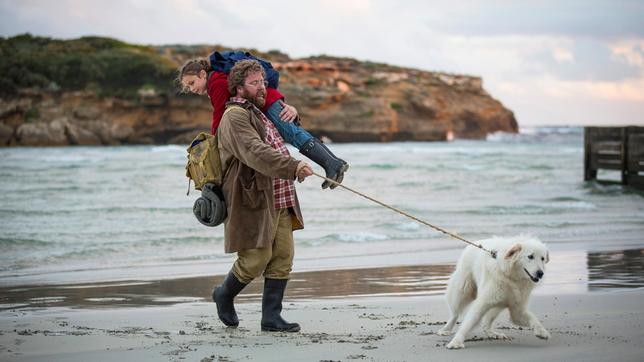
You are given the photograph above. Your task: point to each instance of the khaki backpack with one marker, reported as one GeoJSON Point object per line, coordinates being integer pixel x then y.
{"type": "Point", "coordinates": [204, 164]}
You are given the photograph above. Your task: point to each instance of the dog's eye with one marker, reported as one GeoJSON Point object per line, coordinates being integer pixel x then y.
{"type": "Point", "coordinates": [542, 258]}
{"type": "Point", "coordinates": [530, 257]}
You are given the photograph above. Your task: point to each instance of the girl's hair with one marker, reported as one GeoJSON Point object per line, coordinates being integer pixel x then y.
{"type": "Point", "coordinates": [192, 67]}
{"type": "Point", "coordinates": [240, 71]}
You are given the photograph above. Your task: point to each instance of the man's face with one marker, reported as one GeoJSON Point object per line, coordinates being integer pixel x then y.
{"type": "Point", "coordinates": [197, 84]}
{"type": "Point", "coordinates": [254, 89]}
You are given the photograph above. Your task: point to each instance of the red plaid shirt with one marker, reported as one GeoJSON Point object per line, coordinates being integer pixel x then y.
{"type": "Point", "coordinates": [283, 190]}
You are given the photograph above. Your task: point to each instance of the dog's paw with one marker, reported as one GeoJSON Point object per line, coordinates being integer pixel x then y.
{"type": "Point", "coordinates": [455, 344]}
{"type": "Point", "coordinates": [496, 335]}
{"type": "Point", "coordinates": [442, 332]}
{"type": "Point", "coordinates": [542, 333]}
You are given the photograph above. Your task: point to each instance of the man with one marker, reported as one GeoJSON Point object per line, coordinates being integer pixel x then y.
{"type": "Point", "coordinates": [262, 205]}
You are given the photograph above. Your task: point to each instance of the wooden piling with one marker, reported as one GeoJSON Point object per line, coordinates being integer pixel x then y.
{"type": "Point", "coordinates": [615, 148]}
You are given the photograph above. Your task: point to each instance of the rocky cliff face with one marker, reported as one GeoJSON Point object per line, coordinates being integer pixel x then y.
{"type": "Point", "coordinates": [341, 99]}
{"type": "Point", "coordinates": [82, 118]}
{"type": "Point", "coordinates": [347, 100]}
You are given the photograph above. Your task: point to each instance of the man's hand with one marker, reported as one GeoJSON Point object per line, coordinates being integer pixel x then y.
{"type": "Point", "coordinates": [303, 171]}
{"type": "Point", "coordinates": [289, 113]}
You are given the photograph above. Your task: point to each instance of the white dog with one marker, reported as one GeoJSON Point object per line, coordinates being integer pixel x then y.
{"type": "Point", "coordinates": [489, 285]}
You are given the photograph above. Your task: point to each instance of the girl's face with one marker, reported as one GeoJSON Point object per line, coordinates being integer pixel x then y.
{"type": "Point", "coordinates": [197, 84]}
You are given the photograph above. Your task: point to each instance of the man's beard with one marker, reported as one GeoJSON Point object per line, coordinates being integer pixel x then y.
{"type": "Point", "coordinates": [259, 99]}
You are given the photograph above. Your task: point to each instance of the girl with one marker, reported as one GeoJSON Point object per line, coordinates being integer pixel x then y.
{"type": "Point", "coordinates": [197, 76]}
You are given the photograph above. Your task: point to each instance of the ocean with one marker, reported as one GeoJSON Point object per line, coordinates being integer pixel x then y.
{"type": "Point", "coordinates": [98, 214]}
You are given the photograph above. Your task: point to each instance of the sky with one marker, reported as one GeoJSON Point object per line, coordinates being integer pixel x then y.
{"type": "Point", "coordinates": [559, 62]}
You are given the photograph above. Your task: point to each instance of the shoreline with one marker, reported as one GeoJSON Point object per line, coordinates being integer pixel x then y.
{"type": "Point", "coordinates": [362, 328]}
{"type": "Point", "coordinates": [327, 284]}
{"type": "Point", "coordinates": [399, 281]}
{"type": "Point", "coordinates": [438, 251]}
{"type": "Point", "coordinates": [571, 271]}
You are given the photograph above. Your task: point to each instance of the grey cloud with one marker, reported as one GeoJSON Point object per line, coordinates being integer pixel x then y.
{"type": "Point", "coordinates": [590, 18]}
{"type": "Point", "coordinates": [145, 21]}
{"type": "Point", "coordinates": [593, 61]}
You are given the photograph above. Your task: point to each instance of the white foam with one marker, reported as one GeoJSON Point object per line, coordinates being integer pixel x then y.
{"type": "Point", "coordinates": [361, 237]}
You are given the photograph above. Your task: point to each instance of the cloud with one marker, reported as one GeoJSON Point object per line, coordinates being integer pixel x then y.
{"type": "Point", "coordinates": [539, 57]}
{"type": "Point", "coordinates": [631, 51]}
{"type": "Point", "coordinates": [142, 21]}
{"type": "Point", "coordinates": [585, 60]}
{"type": "Point", "coordinates": [563, 55]}
{"type": "Point", "coordinates": [573, 18]}
{"type": "Point", "coordinates": [552, 102]}
{"type": "Point", "coordinates": [630, 91]}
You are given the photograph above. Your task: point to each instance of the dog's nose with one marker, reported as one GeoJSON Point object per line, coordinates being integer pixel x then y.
{"type": "Point", "coordinates": [539, 274]}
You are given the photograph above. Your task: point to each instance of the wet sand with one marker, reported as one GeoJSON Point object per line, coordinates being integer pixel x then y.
{"type": "Point", "coordinates": [569, 272]}
{"type": "Point", "coordinates": [596, 326]}
{"type": "Point", "coordinates": [401, 280]}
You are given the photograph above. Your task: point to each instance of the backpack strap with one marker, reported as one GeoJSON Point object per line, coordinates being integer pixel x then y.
{"type": "Point", "coordinates": [249, 107]}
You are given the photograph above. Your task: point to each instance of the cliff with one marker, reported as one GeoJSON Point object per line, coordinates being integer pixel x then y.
{"type": "Point", "coordinates": [134, 101]}
{"type": "Point", "coordinates": [348, 100]}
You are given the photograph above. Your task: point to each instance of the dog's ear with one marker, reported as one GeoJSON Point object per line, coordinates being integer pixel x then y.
{"type": "Point", "coordinates": [513, 251]}
{"type": "Point", "coordinates": [547, 256]}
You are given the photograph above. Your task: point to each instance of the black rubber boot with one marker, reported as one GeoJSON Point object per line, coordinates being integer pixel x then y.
{"type": "Point", "coordinates": [272, 321]}
{"type": "Point", "coordinates": [320, 154]}
{"type": "Point", "coordinates": [224, 295]}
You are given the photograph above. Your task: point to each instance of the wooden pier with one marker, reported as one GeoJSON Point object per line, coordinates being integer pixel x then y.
{"type": "Point", "coordinates": [615, 148]}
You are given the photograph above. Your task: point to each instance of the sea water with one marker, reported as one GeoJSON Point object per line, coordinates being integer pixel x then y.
{"type": "Point", "coordinates": [81, 214]}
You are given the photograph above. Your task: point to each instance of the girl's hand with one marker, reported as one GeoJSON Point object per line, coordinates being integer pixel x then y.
{"type": "Point", "coordinates": [289, 113]}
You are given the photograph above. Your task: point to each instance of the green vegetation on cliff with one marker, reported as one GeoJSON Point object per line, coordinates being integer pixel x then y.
{"type": "Point", "coordinates": [106, 66]}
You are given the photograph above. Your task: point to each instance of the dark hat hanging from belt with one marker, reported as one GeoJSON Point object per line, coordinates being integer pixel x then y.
{"type": "Point", "coordinates": [210, 208]}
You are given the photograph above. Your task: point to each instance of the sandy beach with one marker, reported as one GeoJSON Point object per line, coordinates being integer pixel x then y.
{"type": "Point", "coordinates": [590, 326]}
{"type": "Point", "coordinates": [85, 278]}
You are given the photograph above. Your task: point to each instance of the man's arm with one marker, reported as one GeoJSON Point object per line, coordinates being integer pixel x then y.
{"type": "Point", "coordinates": [237, 135]}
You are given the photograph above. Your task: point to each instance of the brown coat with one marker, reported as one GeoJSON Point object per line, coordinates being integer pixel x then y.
{"type": "Point", "coordinates": [249, 166]}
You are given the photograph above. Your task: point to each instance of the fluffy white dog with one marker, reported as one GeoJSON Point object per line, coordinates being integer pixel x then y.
{"type": "Point", "coordinates": [489, 285]}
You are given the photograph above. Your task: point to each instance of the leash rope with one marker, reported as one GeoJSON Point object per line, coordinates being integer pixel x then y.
{"type": "Point", "coordinates": [491, 252]}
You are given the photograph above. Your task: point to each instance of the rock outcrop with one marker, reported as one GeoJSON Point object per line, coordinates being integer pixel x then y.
{"type": "Point", "coordinates": [82, 118]}
{"type": "Point", "coordinates": [341, 99]}
{"type": "Point", "coordinates": [350, 101]}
